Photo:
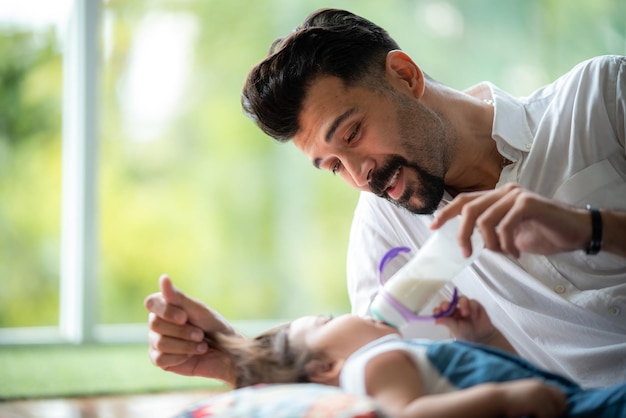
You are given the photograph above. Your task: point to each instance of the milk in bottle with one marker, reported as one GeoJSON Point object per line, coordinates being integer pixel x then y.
{"type": "Point", "coordinates": [415, 284]}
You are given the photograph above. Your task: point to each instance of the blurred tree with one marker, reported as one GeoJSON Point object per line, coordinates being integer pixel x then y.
{"type": "Point", "coordinates": [189, 186]}
{"type": "Point", "coordinates": [30, 125]}
{"type": "Point", "coordinates": [29, 107]}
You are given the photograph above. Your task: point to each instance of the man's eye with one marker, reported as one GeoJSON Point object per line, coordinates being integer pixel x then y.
{"type": "Point", "coordinates": [353, 133]}
{"type": "Point", "coordinates": [335, 167]}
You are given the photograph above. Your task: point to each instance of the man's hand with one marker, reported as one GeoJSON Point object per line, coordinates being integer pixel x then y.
{"type": "Point", "coordinates": [513, 220]}
{"type": "Point", "coordinates": [176, 339]}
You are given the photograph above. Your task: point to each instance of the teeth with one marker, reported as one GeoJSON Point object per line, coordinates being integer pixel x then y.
{"type": "Point", "coordinates": [393, 180]}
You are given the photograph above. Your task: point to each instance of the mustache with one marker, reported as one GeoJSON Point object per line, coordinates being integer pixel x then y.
{"type": "Point", "coordinates": [381, 177]}
{"type": "Point", "coordinates": [429, 188]}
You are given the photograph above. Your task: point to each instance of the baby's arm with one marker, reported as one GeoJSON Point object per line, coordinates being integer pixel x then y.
{"type": "Point", "coordinates": [519, 398]}
{"type": "Point", "coordinates": [395, 382]}
{"type": "Point", "coordinates": [470, 322]}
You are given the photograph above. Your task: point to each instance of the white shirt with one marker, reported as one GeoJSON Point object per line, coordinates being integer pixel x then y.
{"type": "Point", "coordinates": [565, 312]}
{"type": "Point", "coordinates": [352, 376]}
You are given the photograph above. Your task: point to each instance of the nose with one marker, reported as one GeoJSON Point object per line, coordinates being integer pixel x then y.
{"type": "Point", "coordinates": [360, 171]}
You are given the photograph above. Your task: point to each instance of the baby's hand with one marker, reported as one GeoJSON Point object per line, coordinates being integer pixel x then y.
{"type": "Point", "coordinates": [468, 322]}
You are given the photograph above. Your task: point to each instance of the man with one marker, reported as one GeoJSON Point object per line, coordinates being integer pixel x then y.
{"type": "Point", "coordinates": [341, 89]}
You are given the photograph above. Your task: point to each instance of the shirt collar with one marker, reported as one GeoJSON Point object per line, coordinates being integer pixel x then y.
{"type": "Point", "coordinates": [511, 129]}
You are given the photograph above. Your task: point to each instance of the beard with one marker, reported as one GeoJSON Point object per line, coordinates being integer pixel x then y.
{"type": "Point", "coordinates": [427, 190]}
{"type": "Point", "coordinates": [423, 139]}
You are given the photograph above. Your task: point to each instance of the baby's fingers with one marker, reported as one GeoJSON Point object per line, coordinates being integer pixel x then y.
{"type": "Point", "coordinates": [443, 306]}
{"type": "Point", "coordinates": [463, 308]}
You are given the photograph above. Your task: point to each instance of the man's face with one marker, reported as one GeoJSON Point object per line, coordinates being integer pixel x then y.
{"type": "Point", "coordinates": [389, 144]}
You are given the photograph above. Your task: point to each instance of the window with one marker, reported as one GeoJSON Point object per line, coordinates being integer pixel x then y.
{"type": "Point", "coordinates": [30, 163]}
{"type": "Point", "coordinates": [124, 153]}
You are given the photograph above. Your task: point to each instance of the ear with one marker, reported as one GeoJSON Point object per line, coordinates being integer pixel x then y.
{"type": "Point", "coordinates": [325, 371]}
{"type": "Point", "coordinates": [403, 72]}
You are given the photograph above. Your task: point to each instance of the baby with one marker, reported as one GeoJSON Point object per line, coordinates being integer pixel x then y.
{"type": "Point", "coordinates": [479, 377]}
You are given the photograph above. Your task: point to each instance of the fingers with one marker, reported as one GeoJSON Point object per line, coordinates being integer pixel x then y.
{"type": "Point", "coordinates": [485, 213]}
{"type": "Point", "coordinates": [462, 308]}
{"type": "Point", "coordinates": [175, 306]}
{"type": "Point", "coordinates": [465, 309]}
{"type": "Point", "coordinates": [454, 208]}
{"type": "Point", "coordinates": [170, 345]}
{"type": "Point", "coordinates": [496, 214]}
{"type": "Point", "coordinates": [181, 332]}
{"type": "Point", "coordinates": [448, 212]}
{"type": "Point", "coordinates": [499, 221]}
{"type": "Point", "coordinates": [461, 311]}
{"type": "Point", "coordinates": [168, 353]}
{"type": "Point", "coordinates": [472, 207]}
{"type": "Point", "coordinates": [157, 304]}
{"type": "Point", "coordinates": [163, 343]}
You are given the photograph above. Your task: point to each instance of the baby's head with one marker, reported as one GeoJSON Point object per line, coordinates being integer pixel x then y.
{"type": "Point", "coordinates": [308, 349]}
{"type": "Point", "coordinates": [267, 358]}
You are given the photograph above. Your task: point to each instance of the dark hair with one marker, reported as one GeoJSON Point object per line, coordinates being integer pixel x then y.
{"type": "Point", "coordinates": [330, 42]}
{"type": "Point", "coordinates": [267, 358]}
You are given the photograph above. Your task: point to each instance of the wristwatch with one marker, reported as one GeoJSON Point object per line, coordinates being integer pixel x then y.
{"type": "Point", "coordinates": [596, 231]}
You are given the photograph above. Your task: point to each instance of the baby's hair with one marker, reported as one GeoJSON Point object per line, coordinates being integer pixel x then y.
{"type": "Point", "coordinates": [266, 358]}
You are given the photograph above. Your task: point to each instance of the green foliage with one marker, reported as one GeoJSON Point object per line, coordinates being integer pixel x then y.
{"type": "Point", "coordinates": [243, 223]}
{"type": "Point", "coordinates": [30, 114]}
{"type": "Point", "coordinates": [29, 81]}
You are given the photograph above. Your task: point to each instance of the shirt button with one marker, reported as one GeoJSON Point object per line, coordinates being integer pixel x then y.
{"type": "Point", "coordinates": [529, 146]}
{"type": "Point", "coordinates": [614, 310]}
{"type": "Point", "coordinates": [560, 289]}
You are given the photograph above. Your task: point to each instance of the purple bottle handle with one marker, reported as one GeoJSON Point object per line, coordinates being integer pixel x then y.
{"type": "Point", "coordinates": [406, 313]}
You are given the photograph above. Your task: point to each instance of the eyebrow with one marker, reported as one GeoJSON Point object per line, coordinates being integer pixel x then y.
{"type": "Point", "coordinates": [333, 128]}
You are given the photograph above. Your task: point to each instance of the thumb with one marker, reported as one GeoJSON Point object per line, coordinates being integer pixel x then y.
{"type": "Point", "coordinates": [188, 309]}
{"type": "Point", "coordinates": [168, 290]}
{"type": "Point", "coordinates": [173, 308]}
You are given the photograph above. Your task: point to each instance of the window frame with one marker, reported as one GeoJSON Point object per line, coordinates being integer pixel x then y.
{"type": "Point", "coordinates": [78, 282]}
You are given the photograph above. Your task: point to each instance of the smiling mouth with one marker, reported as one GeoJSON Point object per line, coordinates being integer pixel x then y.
{"type": "Point", "coordinates": [392, 182]}
{"type": "Point", "coordinates": [386, 181]}
{"type": "Point", "coordinates": [394, 187]}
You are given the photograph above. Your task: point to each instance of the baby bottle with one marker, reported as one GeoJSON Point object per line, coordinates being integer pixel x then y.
{"type": "Point", "coordinates": [408, 294]}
